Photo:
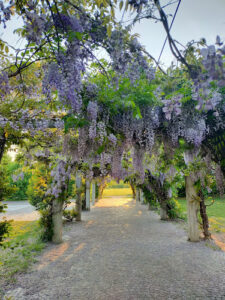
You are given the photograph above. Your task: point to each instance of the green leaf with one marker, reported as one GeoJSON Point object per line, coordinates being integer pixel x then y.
{"type": "Point", "coordinates": [109, 30]}
{"type": "Point", "coordinates": [70, 121]}
{"type": "Point", "coordinates": [75, 35]}
{"type": "Point", "coordinates": [100, 149]}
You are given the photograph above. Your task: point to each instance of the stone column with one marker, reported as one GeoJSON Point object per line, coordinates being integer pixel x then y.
{"type": "Point", "coordinates": [192, 210]}
{"type": "Point", "coordinates": [142, 197]}
{"type": "Point", "coordinates": [57, 221]}
{"type": "Point", "coordinates": [93, 193]}
{"type": "Point", "coordinates": [78, 196]}
{"type": "Point", "coordinates": [163, 211]}
{"type": "Point", "coordinates": [87, 194]}
{"type": "Point", "coordinates": [137, 194]}
{"type": "Point", "coordinates": [193, 205]}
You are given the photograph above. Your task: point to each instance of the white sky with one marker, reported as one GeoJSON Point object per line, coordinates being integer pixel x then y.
{"type": "Point", "coordinates": [195, 19]}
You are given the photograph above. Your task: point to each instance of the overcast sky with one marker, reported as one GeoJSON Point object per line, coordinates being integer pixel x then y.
{"type": "Point", "coordinates": [195, 19]}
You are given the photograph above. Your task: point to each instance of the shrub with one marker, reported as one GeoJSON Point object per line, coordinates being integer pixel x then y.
{"type": "Point", "coordinates": [5, 226]}
{"type": "Point", "coordinates": [69, 215]}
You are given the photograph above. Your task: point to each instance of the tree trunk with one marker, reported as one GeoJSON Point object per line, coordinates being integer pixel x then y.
{"type": "Point", "coordinates": [192, 210]}
{"type": "Point", "coordinates": [164, 206]}
{"type": "Point", "coordinates": [101, 189]}
{"type": "Point", "coordinates": [2, 145]}
{"type": "Point", "coordinates": [93, 193]}
{"type": "Point", "coordinates": [133, 190]}
{"type": "Point", "coordinates": [78, 197]}
{"type": "Point", "coordinates": [205, 220]}
{"type": "Point", "coordinates": [87, 195]}
{"type": "Point", "coordinates": [57, 222]}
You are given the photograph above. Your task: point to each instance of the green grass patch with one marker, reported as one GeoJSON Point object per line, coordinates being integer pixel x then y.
{"type": "Point", "coordinates": [216, 213]}
{"type": "Point", "coordinates": [117, 192]}
{"type": "Point", "coordinates": [19, 249]}
{"type": "Point", "coordinates": [113, 184]}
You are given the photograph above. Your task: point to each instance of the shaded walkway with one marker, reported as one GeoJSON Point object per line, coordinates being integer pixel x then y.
{"type": "Point", "coordinates": [122, 251]}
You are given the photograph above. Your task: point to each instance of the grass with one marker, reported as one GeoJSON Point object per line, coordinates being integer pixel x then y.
{"type": "Point", "coordinates": [117, 192]}
{"type": "Point", "coordinates": [115, 185]}
{"type": "Point", "coordinates": [216, 213]}
{"type": "Point", "coordinates": [19, 249]}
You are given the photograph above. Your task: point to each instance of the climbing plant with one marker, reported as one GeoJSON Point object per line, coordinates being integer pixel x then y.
{"type": "Point", "coordinates": [76, 114]}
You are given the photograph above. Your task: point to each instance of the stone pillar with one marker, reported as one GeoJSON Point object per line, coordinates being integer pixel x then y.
{"type": "Point", "coordinates": [57, 221]}
{"type": "Point", "coordinates": [137, 194]}
{"type": "Point", "coordinates": [93, 193]}
{"type": "Point", "coordinates": [142, 197]}
{"type": "Point", "coordinates": [78, 196]}
{"type": "Point", "coordinates": [87, 194]}
{"type": "Point", "coordinates": [163, 211]}
{"type": "Point", "coordinates": [193, 205]}
{"type": "Point", "coordinates": [192, 210]}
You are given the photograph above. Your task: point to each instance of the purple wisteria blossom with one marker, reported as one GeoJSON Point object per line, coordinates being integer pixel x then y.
{"type": "Point", "coordinates": [172, 106]}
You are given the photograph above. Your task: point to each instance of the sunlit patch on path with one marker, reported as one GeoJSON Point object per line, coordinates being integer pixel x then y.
{"type": "Point", "coordinates": [79, 248]}
{"type": "Point", "coordinates": [76, 250]}
{"type": "Point", "coordinates": [52, 255]}
{"type": "Point", "coordinates": [219, 239]}
{"type": "Point", "coordinates": [89, 223]}
{"type": "Point", "coordinates": [115, 202]}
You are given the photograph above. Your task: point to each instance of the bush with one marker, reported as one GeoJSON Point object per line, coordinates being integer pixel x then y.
{"type": "Point", "coordinates": [20, 186]}
{"type": "Point", "coordinates": [69, 215]}
{"type": "Point", "coordinates": [174, 210]}
{"type": "Point", "coordinates": [150, 197]}
{"type": "Point", "coordinates": [6, 188]}
{"type": "Point", "coordinates": [36, 193]}
{"type": "Point", "coordinates": [5, 226]}
{"type": "Point", "coordinates": [5, 191]}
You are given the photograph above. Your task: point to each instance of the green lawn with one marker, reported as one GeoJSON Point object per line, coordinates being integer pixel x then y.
{"type": "Point", "coordinates": [110, 192]}
{"type": "Point", "coordinates": [19, 249]}
{"type": "Point", "coordinates": [216, 213]}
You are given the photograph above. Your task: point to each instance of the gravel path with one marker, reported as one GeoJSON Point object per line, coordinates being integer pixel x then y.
{"type": "Point", "coordinates": [123, 251]}
{"type": "Point", "coordinates": [19, 211]}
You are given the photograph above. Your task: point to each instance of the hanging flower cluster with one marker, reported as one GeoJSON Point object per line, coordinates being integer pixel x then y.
{"type": "Point", "coordinates": [92, 112]}
{"type": "Point", "coordinates": [60, 179]}
{"type": "Point", "coordinates": [171, 106]}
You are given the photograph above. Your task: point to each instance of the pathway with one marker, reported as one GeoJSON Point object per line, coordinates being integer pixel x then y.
{"type": "Point", "coordinates": [122, 251]}
{"type": "Point", "coordinates": [19, 211]}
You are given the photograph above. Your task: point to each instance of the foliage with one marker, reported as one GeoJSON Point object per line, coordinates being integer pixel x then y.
{"type": "Point", "coordinates": [6, 188]}
{"type": "Point", "coordinates": [150, 198]}
{"type": "Point", "coordinates": [5, 191]}
{"type": "Point", "coordinates": [19, 179]}
{"type": "Point", "coordinates": [43, 189]}
{"type": "Point", "coordinates": [36, 192]}
{"type": "Point", "coordinates": [69, 214]}
{"type": "Point", "coordinates": [5, 227]}
{"type": "Point", "coordinates": [19, 249]}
